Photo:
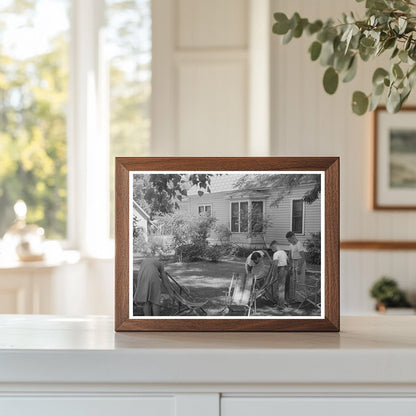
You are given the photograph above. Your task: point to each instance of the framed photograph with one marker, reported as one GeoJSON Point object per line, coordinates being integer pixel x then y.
{"type": "Point", "coordinates": [227, 244]}
{"type": "Point", "coordinates": [394, 159]}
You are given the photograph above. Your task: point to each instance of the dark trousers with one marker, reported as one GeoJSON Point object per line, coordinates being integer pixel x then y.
{"type": "Point", "coordinates": [281, 285]}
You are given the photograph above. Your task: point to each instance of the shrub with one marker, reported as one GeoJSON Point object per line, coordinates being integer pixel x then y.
{"type": "Point", "coordinates": [159, 245]}
{"type": "Point", "coordinates": [139, 238]}
{"type": "Point", "coordinates": [189, 233]}
{"type": "Point", "coordinates": [214, 253]}
{"type": "Point", "coordinates": [386, 291]}
{"type": "Point", "coordinates": [223, 233]}
{"type": "Point", "coordinates": [313, 247]}
{"type": "Point", "coordinates": [244, 252]}
{"type": "Point", "coordinates": [190, 252]}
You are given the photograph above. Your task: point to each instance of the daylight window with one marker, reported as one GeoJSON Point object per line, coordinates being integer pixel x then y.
{"type": "Point", "coordinates": [33, 109]}
{"type": "Point", "coordinates": [129, 52]}
{"type": "Point", "coordinates": [47, 149]}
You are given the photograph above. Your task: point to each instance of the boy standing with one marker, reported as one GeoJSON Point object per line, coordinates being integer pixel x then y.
{"type": "Point", "coordinates": [280, 260]}
{"type": "Point", "coordinates": [298, 257]}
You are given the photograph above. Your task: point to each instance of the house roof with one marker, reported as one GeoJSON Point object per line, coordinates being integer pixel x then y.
{"type": "Point", "coordinates": [141, 211]}
{"type": "Point", "coordinates": [219, 183]}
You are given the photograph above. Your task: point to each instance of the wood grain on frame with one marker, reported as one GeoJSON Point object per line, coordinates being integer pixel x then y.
{"type": "Point", "coordinates": [330, 165]}
{"type": "Point", "coordinates": [376, 205]}
{"type": "Point", "coordinates": [378, 245]}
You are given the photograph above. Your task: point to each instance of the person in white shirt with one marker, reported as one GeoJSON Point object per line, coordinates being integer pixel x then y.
{"type": "Point", "coordinates": [298, 260]}
{"type": "Point", "coordinates": [280, 259]}
{"type": "Point", "coordinates": [253, 260]}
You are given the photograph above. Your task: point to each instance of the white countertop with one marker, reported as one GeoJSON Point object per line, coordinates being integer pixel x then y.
{"type": "Point", "coordinates": [52, 349]}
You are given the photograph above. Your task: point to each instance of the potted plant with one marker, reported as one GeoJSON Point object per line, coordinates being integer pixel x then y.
{"type": "Point", "coordinates": [387, 294]}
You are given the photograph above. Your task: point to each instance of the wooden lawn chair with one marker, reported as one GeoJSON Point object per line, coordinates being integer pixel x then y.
{"type": "Point", "coordinates": [181, 295]}
{"type": "Point", "coordinates": [240, 293]}
{"type": "Point", "coordinates": [309, 293]}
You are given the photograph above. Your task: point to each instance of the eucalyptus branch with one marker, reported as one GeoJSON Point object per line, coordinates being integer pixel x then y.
{"type": "Point", "coordinates": [389, 25]}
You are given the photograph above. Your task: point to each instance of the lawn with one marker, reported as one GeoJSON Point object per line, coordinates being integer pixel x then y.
{"type": "Point", "coordinates": [210, 281]}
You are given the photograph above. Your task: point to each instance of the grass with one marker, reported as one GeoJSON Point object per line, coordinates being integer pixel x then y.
{"type": "Point", "coordinates": [208, 281]}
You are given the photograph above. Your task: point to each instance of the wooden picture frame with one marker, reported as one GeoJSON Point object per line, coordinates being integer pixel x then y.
{"type": "Point", "coordinates": [326, 167]}
{"type": "Point", "coordinates": [390, 191]}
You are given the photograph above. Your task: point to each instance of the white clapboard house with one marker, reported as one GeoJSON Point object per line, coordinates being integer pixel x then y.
{"type": "Point", "coordinates": [236, 209]}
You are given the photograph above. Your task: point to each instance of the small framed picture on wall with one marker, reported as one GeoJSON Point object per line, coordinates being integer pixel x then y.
{"type": "Point", "coordinates": [227, 244]}
{"type": "Point", "coordinates": [394, 178]}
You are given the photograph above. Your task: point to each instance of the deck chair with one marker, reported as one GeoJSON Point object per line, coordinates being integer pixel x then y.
{"type": "Point", "coordinates": [265, 289]}
{"type": "Point", "coordinates": [240, 292]}
{"type": "Point", "coordinates": [181, 295]}
{"type": "Point", "coordinates": [309, 293]}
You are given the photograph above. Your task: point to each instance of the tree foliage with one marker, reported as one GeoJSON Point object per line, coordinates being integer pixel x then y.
{"type": "Point", "coordinates": [389, 27]}
{"type": "Point", "coordinates": [282, 184]}
{"type": "Point", "coordinates": [162, 193]}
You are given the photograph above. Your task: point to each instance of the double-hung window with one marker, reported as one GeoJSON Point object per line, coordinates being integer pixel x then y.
{"type": "Point", "coordinates": [205, 209]}
{"type": "Point", "coordinates": [297, 216]}
{"type": "Point", "coordinates": [247, 215]}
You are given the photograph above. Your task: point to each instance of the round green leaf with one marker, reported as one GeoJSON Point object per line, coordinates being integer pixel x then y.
{"type": "Point", "coordinates": [379, 75]}
{"type": "Point", "coordinates": [314, 27]}
{"type": "Point", "coordinates": [351, 71]}
{"type": "Point", "coordinates": [315, 50]}
{"type": "Point", "coordinates": [281, 27]}
{"type": "Point", "coordinates": [359, 103]}
{"type": "Point", "coordinates": [330, 80]}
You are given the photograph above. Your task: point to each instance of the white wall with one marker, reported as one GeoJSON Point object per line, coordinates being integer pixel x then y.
{"type": "Point", "coordinates": [308, 122]}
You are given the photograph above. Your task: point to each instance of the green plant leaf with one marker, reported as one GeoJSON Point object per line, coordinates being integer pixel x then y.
{"type": "Point", "coordinates": [351, 72]}
{"type": "Point", "coordinates": [393, 101]}
{"type": "Point", "coordinates": [314, 27]}
{"type": "Point", "coordinates": [315, 50]}
{"type": "Point", "coordinates": [397, 71]}
{"type": "Point", "coordinates": [330, 80]}
{"type": "Point", "coordinates": [403, 56]}
{"type": "Point", "coordinates": [408, 42]}
{"type": "Point", "coordinates": [389, 43]}
{"type": "Point", "coordinates": [379, 75]}
{"type": "Point", "coordinates": [378, 89]}
{"type": "Point", "coordinates": [374, 102]}
{"type": "Point", "coordinates": [395, 52]}
{"type": "Point", "coordinates": [359, 103]}
{"type": "Point", "coordinates": [327, 53]}
{"type": "Point", "coordinates": [281, 27]}
{"type": "Point", "coordinates": [376, 4]}
{"type": "Point", "coordinates": [288, 37]}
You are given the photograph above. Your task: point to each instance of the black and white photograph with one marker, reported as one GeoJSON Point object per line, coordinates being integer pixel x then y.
{"type": "Point", "coordinates": [207, 244]}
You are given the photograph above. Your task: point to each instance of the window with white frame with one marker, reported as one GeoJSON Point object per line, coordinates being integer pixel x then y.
{"type": "Point", "coordinates": [207, 209]}
{"type": "Point", "coordinates": [75, 86]}
{"type": "Point", "coordinates": [257, 217]}
{"type": "Point", "coordinates": [247, 215]}
{"type": "Point", "coordinates": [297, 216]}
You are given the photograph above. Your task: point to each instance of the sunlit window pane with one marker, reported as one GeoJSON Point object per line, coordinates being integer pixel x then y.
{"type": "Point", "coordinates": [129, 46]}
{"type": "Point", "coordinates": [33, 102]}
